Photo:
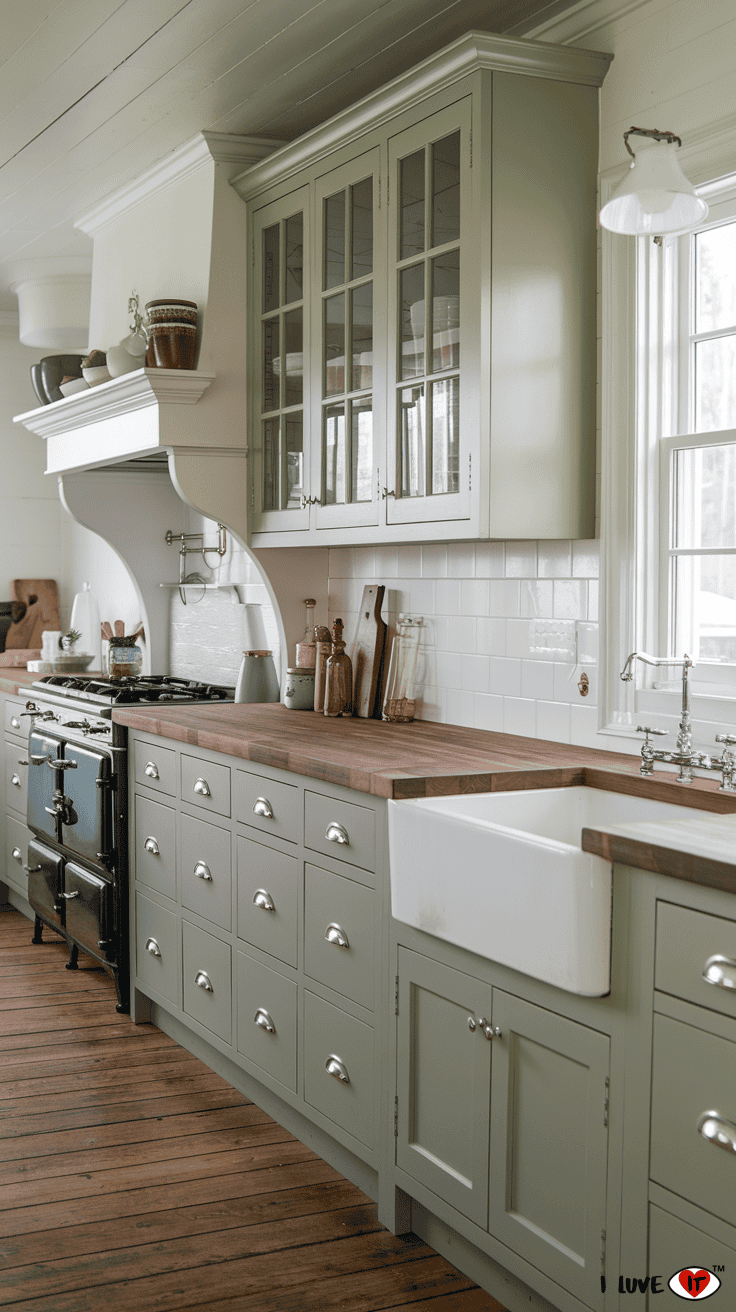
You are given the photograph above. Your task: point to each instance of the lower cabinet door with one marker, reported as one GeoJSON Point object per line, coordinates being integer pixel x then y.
{"type": "Point", "coordinates": [207, 980]}
{"type": "Point", "coordinates": [674, 1244]}
{"type": "Point", "coordinates": [267, 1019]}
{"type": "Point", "coordinates": [339, 1068]}
{"type": "Point", "coordinates": [17, 838]}
{"type": "Point", "coordinates": [157, 955]}
{"type": "Point", "coordinates": [444, 1066]}
{"type": "Point", "coordinates": [549, 1142]}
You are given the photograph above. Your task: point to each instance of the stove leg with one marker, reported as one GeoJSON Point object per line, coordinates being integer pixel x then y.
{"type": "Point", "coordinates": [37, 930]}
{"type": "Point", "coordinates": [73, 957]}
{"type": "Point", "coordinates": [123, 1005]}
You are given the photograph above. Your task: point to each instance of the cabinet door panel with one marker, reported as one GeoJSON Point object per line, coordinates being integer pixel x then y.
{"type": "Point", "coordinates": [157, 946]}
{"type": "Point", "coordinates": [268, 899]}
{"type": "Point", "coordinates": [443, 1078]}
{"type": "Point", "coordinates": [267, 1021]}
{"type": "Point", "coordinates": [674, 1244]}
{"type": "Point", "coordinates": [17, 838]}
{"type": "Point", "coordinates": [549, 1142]}
{"type": "Point", "coordinates": [206, 870]}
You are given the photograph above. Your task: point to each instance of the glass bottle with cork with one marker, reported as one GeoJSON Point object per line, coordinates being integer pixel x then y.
{"type": "Point", "coordinates": [339, 676]}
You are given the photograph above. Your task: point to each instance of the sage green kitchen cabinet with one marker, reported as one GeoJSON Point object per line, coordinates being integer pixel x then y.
{"type": "Point", "coordinates": [422, 306]}
{"type": "Point", "coordinates": [14, 833]}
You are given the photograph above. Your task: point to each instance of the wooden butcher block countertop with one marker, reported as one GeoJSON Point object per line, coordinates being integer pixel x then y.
{"type": "Point", "coordinates": [423, 759]}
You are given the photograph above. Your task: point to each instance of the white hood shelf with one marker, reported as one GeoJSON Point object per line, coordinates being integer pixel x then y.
{"type": "Point", "coordinates": [94, 428]}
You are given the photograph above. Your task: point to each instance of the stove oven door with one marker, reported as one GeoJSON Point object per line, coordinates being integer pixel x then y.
{"type": "Point", "coordinates": [86, 825]}
{"type": "Point", "coordinates": [41, 813]}
{"type": "Point", "coordinates": [88, 907]}
{"type": "Point", "coordinates": [45, 870]}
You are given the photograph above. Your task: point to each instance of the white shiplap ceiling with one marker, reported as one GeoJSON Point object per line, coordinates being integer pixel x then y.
{"type": "Point", "coordinates": [92, 92]}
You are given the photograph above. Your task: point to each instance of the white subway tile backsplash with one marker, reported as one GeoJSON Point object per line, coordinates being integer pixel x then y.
{"type": "Point", "coordinates": [585, 560]}
{"type": "Point", "coordinates": [554, 560]}
{"type": "Point", "coordinates": [489, 560]}
{"type": "Point", "coordinates": [409, 560]}
{"type": "Point", "coordinates": [432, 704]}
{"type": "Point", "coordinates": [461, 560]}
{"type": "Point", "coordinates": [584, 726]}
{"type": "Point", "coordinates": [364, 562]}
{"type": "Point", "coordinates": [341, 562]}
{"type": "Point", "coordinates": [434, 560]}
{"type": "Point", "coordinates": [447, 596]}
{"type": "Point", "coordinates": [503, 597]}
{"type": "Point", "coordinates": [537, 598]}
{"type": "Point", "coordinates": [571, 599]}
{"type": "Point", "coordinates": [521, 560]}
{"type": "Point", "coordinates": [520, 716]}
{"type": "Point", "coordinates": [488, 712]}
{"type": "Point", "coordinates": [552, 640]}
{"type": "Point", "coordinates": [475, 672]}
{"type": "Point", "coordinates": [460, 707]}
{"type": "Point", "coordinates": [566, 678]}
{"type": "Point", "coordinates": [593, 600]}
{"type": "Point", "coordinates": [490, 636]}
{"type": "Point", "coordinates": [518, 635]}
{"type": "Point", "coordinates": [449, 666]}
{"type": "Point", "coordinates": [505, 676]}
{"type": "Point", "coordinates": [474, 597]}
{"type": "Point", "coordinates": [537, 680]}
{"type": "Point", "coordinates": [386, 563]}
{"type": "Point", "coordinates": [553, 721]}
{"type": "Point", "coordinates": [461, 635]}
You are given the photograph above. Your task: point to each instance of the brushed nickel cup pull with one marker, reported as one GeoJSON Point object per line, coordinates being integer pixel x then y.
{"type": "Point", "coordinates": [17, 855]}
{"type": "Point", "coordinates": [152, 846]}
{"type": "Point", "coordinates": [202, 871]}
{"type": "Point", "coordinates": [335, 1067]}
{"type": "Point", "coordinates": [263, 807]}
{"type": "Point", "coordinates": [202, 788]}
{"type": "Point", "coordinates": [203, 981]}
{"type": "Point", "coordinates": [720, 971]}
{"type": "Point", "coordinates": [263, 900]}
{"type": "Point", "coordinates": [151, 770]}
{"type": "Point", "coordinates": [264, 1021]}
{"type": "Point", "coordinates": [14, 722]}
{"type": "Point", "coordinates": [336, 934]}
{"type": "Point", "coordinates": [15, 780]}
{"type": "Point", "coordinates": [153, 947]}
{"type": "Point", "coordinates": [718, 1130]}
{"type": "Point", "coordinates": [336, 833]}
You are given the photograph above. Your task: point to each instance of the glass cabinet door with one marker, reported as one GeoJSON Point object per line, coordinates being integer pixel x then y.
{"type": "Point", "coordinates": [430, 286]}
{"type": "Point", "coordinates": [280, 327]}
{"type": "Point", "coordinates": [347, 314]}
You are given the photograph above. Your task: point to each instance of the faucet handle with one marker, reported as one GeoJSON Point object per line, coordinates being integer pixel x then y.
{"type": "Point", "coordinates": [659, 733]}
{"type": "Point", "coordinates": [729, 739]}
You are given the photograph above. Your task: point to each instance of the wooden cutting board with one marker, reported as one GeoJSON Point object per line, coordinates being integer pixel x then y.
{"type": "Point", "coordinates": [367, 651]}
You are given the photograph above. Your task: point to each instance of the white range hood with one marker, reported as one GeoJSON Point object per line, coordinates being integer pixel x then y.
{"type": "Point", "coordinates": [131, 453]}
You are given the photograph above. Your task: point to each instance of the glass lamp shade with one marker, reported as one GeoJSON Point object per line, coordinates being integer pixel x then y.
{"type": "Point", "coordinates": [654, 196]}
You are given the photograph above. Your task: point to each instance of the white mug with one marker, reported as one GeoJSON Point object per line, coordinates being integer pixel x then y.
{"type": "Point", "coordinates": [50, 644]}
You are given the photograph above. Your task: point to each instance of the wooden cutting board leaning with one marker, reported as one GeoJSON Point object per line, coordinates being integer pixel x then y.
{"type": "Point", "coordinates": [367, 651]}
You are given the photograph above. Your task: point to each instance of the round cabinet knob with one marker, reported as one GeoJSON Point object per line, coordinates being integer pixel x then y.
{"type": "Point", "coordinates": [153, 947]}
{"type": "Point", "coordinates": [718, 1130]}
{"type": "Point", "coordinates": [264, 1021]}
{"type": "Point", "coordinates": [490, 1031]}
{"type": "Point", "coordinates": [263, 900]}
{"type": "Point", "coordinates": [203, 981]}
{"type": "Point", "coordinates": [202, 788]}
{"type": "Point", "coordinates": [14, 722]}
{"type": "Point", "coordinates": [720, 971]}
{"type": "Point", "coordinates": [336, 934]}
{"type": "Point", "coordinates": [263, 807]}
{"type": "Point", "coordinates": [152, 770]}
{"type": "Point", "coordinates": [17, 855]}
{"type": "Point", "coordinates": [152, 846]}
{"type": "Point", "coordinates": [336, 833]}
{"type": "Point", "coordinates": [337, 1069]}
{"type": "Point", "coordinates": [202, 871]}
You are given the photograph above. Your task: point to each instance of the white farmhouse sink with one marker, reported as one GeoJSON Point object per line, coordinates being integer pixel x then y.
{"type": "Point", "coordinates": [504, 875]}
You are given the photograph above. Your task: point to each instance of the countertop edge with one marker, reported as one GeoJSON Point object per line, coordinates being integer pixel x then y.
{"type": "Point", "coordinates": [661, 860]}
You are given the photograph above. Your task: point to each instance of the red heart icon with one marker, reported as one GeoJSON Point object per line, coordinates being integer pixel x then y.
{"type": "Point", "coordinates": [694, 1282]}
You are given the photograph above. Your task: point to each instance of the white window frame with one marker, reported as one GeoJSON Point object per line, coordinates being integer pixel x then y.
{"type": "Point", "coordinates": [639, 295]}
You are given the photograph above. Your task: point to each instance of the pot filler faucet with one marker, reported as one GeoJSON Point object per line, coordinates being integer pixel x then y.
{"type": "Point", "coordinates": [684, 756]}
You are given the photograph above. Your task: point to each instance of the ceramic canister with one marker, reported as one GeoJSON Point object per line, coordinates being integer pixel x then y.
{"type": "Point", "coordinates": [299, 690]}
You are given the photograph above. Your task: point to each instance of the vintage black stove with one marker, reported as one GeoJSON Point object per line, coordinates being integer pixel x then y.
{"type": "Point", "coordinates": [77, 809]}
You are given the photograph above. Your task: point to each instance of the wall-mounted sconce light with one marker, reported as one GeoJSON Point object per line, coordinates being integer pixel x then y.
{"type": "Point", "coordinates": [654, 196]}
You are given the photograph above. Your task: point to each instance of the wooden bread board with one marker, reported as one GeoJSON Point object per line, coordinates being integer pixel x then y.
{"type": "Point", "coordinates": [367, 651]}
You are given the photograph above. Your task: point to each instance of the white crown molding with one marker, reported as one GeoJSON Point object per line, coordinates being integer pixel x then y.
{"type": "Point", "coordinates": [578, 22]}
{"type": "Point", "coordinates": [227, 148]}
{"type": "Point", "coordinates": [474, 51]}
{"type": "Point", "coordinates": [138, 390]}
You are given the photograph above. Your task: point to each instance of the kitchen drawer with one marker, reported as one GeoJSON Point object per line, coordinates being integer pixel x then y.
{"type": "Point", "coordinates": [687, 941]}
{"type": "Point", "coordinates": [338, 934]}
{"type": "Point", "coordinates": [267, 1019]}
{"type": "Point", "coordinates": [155, 767]}
{"type": "Point", "coordinates": [268, 805]}
{"type": "Point", "coordinates": [16, 776]}
{"type": "Point", "coordinates": [674, 1243]}
{"type": "Point", "coordinates": [205, 870]}
{"type": "Point", "coordinates": [157, 948]}
{"type": "Point", "coordinates": [334, 1039]}
{"type": "Point", "coordinates": [693, 1074]}
{"type": "Point", "coordinates": [340, 829]}
{"type": "Point", "coordinates": [268, 899]}
{"type": "Point", "coordinates": [155, 846]}
{"type": "Point", "coordinates": [205, 784]}
{"type": "Point", "coordinates": [15, 723]}
{"type": "Point", "coordinates": [17, 838]}
{"type": "Point", "coordinates": [208, 993]}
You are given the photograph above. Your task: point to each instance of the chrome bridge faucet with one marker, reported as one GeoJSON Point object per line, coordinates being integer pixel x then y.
{"type": "Point", "coordinates": [684, 756]}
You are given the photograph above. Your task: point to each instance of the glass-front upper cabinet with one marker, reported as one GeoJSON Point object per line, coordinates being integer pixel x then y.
{"type": "Point", "coordinates": [348, 404]}
{"type": "Point", "coordinates": [429, 465]}
{"type": "Point", "coordinates": [280, 325]}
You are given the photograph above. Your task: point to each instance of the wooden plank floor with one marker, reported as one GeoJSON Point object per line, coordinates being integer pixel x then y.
{"type": "Point", "coordinates": [134, 1177]}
